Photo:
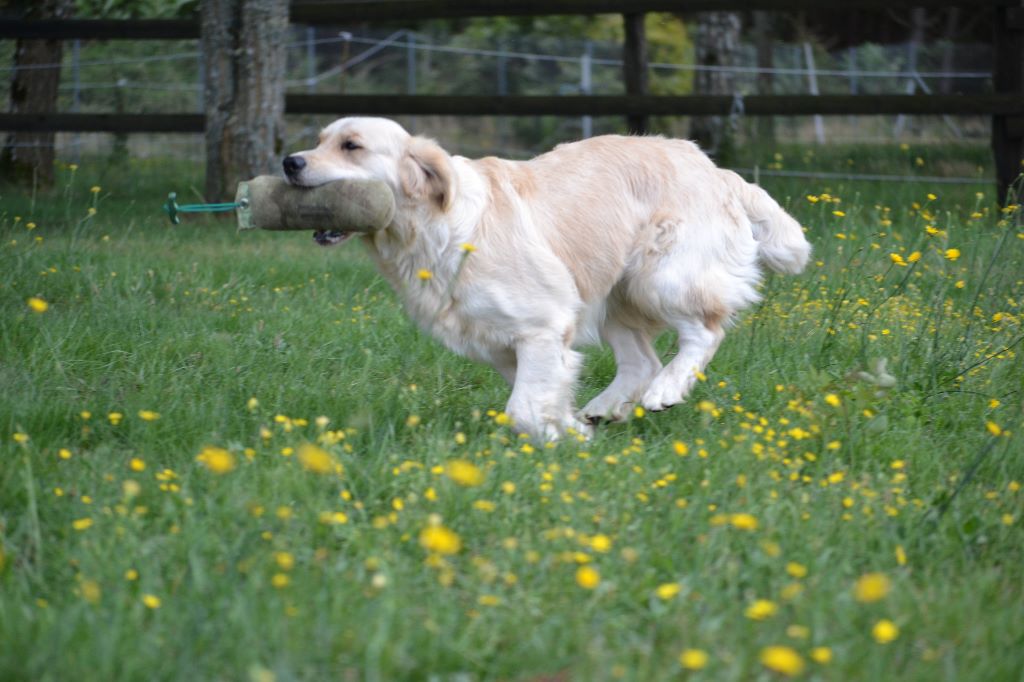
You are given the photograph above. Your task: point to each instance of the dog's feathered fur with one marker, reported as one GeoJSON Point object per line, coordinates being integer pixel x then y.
{"type": "Point", "coordinates": [611, 238]}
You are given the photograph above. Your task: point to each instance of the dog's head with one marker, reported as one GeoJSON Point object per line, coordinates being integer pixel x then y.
{"type": "Point", "coordinates": [417, 169]}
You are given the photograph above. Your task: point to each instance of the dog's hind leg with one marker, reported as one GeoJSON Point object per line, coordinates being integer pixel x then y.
{"type": "Point", "coordinates": [698, 341]}
{"type": "Point", "coordinates": [637, 363]}
{"type": "Point", "coordinates": [541, 400]}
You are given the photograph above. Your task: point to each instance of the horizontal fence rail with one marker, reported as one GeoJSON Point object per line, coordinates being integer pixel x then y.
{"type": "Point", "coordinates": [103, 123]}
{"type": "Point", "coordinates": [653, 105]}
{"type": "Point", "coordinates": [572, 105]}
{"type": "Point", "coordinates": [348, 11]}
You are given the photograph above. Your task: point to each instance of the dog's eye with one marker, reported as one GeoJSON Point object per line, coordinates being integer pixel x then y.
{"type": "Point", "coordinates": [350, 146]}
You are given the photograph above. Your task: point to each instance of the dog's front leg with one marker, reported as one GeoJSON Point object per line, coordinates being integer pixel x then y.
{"type": "Point", "coordinates": [541, 403]}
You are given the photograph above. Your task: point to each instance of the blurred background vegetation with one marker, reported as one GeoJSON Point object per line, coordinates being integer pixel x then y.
{"type": "Point", "coordinates": [548, 55]}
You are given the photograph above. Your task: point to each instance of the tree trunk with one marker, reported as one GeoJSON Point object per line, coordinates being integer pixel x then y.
{"type": "Point", "coordinates": [29, 157]}
{"type": "Point", "coordinates": [244, 49]}
{"type": "Point", "coordinates": [716, 43]}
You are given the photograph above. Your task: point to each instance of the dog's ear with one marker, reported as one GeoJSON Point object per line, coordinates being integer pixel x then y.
{"type": "Point", "coordinates": [426, 172]}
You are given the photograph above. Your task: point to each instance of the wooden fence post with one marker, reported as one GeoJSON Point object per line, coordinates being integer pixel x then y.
{"type": "Point", "coordinates": [634, 65]}
{"type": "Point", "coordinates": [28, 157]}
{"type": "Point", "coordinates": [1008, 77]}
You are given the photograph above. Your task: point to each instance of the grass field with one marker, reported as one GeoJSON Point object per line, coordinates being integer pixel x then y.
{"type": "Point", "coordinates": [231, 457]}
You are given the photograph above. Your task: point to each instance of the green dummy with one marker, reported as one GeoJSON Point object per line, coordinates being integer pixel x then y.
{"type": "Point", "coordinates": [353, 205]}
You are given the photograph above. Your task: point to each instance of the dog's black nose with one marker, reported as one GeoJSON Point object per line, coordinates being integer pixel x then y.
{"type": "Point", "coordinates": [293, 165]}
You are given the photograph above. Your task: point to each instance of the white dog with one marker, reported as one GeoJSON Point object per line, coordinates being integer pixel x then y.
{"type": "Point", "coordinates": [514, 263]}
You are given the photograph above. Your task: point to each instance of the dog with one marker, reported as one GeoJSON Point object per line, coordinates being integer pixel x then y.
{"type": "Point", "coordinates": [517, 263]}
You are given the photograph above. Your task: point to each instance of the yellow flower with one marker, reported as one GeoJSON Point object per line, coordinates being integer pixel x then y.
{"type": "Point", "coordinates": [762, 609]}
{"type": "Point", "coordinates": [885, 631]}
{"type": "Point", "coordinates": [464, 473]}
{"type": "Point", "coordinates": [667, 591]}
{"type": "Point", "coordinates": [798, 631]}
{"type": "Point", "coordinates": [151, 601]}
{"type": "Point", "coordinates": [285, 560]}
{"type": "Point", "coordinates": [314, 458]}
{"type": "Point", "coordinates": [148, 415]}
{"type": "Point", "coordinates": [782, 659]}
{"type": "Point", "coordinates": [993, 428]}
{"type": "Point", "coordinates": [914, 257]}
{"type": "Point", "coordinates": [440, 540]}
{"type": "Point", "coordinates": [468, 248]}
{"type": "Point", "coordinates": [218, 460]}
{"type": "Point", "coordinates": [796, 570]}
{"type": "Point", "coordinates": [136, 464]}
{"type": "Point", "coordinates": [871, 587]}
{"type": "Point", "coordinates": [488, 600]}
{"type": "Point", "coordinates": [95, 189]}
{"type": "Point", "coordinates": [587, 577]}
{"type": "Point", "coordinates": [952, 254]}
{"type": "Point", "coordinates": [680, 448]}
{"type": "Point", "coordinates": [693, 659]}
{"type": "Point", "coordinates": [280, 580]}
{"type": "Point", "coordinates": [838, 214]}
{"type": "Point", "coordinates": [115, 418]}
{"type": "Point", "coordinates": [82, 524]}
{"type": "Point", "coordinates": [639, 412]}
{"type": "Point", "coordinates": [424, 274]}
{"type": "Point", "coordinates": [252, 404]}
{"type": "Point", "coordinates": [601, 543]}
{"type": "Point", "coordinates": [833, 400]}
{"type": "Point", "coordinates": [897, 259]}
{"type": "Point", "coordinates": [38, 305]}
{"type": "Point", "coordinates": [20, 437]}
{"type": "Point", "coordinates": [743, 521]}
{"type": "Point", "coordinates": [131, 488]}
{"type": "Point", "coordinates": [90, 590]}
{"type": "Point", "coordinates": [131, 575]}
{"type": "Point", "coordinates": [821, 654]}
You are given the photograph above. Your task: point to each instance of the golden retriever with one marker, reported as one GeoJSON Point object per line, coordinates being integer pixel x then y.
{"type": "Point", "coordinates": [515, 263]}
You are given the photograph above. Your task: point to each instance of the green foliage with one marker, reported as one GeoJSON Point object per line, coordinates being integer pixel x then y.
{"type": "Point", "coordinates": [802, 464]}
{"type": "Point", "coordinates": [134, 9]}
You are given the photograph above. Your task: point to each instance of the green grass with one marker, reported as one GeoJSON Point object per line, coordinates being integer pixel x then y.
{"type": "Point", "coordinates": [193, 321]}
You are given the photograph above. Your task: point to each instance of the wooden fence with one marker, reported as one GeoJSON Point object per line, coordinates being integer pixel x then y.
{"type": "Point", "coordinates": [1005, 105]}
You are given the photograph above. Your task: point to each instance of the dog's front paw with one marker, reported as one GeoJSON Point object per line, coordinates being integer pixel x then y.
{"type": "Point", "coordinates": [663, 393]}
{"type": "Point", "coordinates": [610, 408]}
{"type": "Point", "coordinates": [581, 431]}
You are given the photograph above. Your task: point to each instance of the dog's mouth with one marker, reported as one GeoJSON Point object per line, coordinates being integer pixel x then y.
{"type": "Point", "coordinates": [331, 237]}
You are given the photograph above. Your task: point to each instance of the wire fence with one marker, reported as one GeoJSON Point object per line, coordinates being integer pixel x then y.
{"type": "Point", "coordinates": [122, 78]}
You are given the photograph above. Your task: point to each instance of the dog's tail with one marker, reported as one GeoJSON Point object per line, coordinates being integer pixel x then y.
{"type": "Point", "coordinates": [781, 242]}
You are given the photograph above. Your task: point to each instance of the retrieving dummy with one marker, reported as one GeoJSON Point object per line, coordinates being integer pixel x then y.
{"type": "Point", "coordinates": [336, 210]}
